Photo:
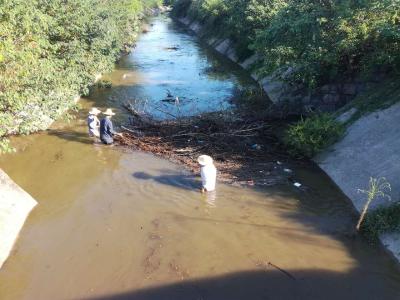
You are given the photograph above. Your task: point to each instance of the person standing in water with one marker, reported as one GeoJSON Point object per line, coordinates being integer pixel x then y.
{"type": "Point", "coordinates": [208, 173]}
{"type": "Point", "coordinates": [106, 128]}
{"type": "Point", "coordinates": [93, 122]}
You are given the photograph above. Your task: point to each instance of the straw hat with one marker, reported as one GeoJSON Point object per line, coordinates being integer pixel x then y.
{"type": "Point", "coordinates": [108, 112]}
{"type": "Point", "coordinates": [205, 160]}
{"type": "Point", "coordinates": [94, 111]}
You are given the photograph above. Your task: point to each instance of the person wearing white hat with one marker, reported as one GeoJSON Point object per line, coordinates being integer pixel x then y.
{"type": "Point", "coordinates": [93, 122]}
{"type": "Point", "coordinates": [106, 128]}
{"type": "Point", "coordinates": [208, 173]}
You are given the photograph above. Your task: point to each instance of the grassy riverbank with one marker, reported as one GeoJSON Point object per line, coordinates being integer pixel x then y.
{"type": "Point", "coordinates": [50, 52]}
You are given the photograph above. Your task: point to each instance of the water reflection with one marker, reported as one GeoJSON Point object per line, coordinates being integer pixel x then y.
{"type": "Point", "coordinates": [210, 198]}
{"type": "Point", "coordinates": [190, 72]}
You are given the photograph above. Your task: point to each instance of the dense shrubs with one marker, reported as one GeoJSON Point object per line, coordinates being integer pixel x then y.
{"type": "Point", "coordinates": [51, 50]}
{"type": "Point", "coordinates": [381, 220]}
{"type": "Point", "coordinates": [310, 136]}
{"type": "Point", "coordinates": [320, 40]}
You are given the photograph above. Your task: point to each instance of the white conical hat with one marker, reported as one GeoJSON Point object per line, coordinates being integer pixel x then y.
{"type": "Point", "coordinates": [94, 111]}
{"type": "Point", "coordinates": [205, 160]}
{"type": "Point", "coordinates": [108, 112]}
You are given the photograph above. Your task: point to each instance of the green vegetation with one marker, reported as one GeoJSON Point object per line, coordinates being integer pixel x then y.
{"type": "Point", "coordinates": [318, 40]}
{"type": "Point", "coordinates": [104, 84]}
{"type": "Point", "coordinates": [381, 220]}
{"type": "Point", "coordinates": [310, 136]}
{"type": "Point", "coordinates": [377, 97]}
{"type": "Point", "coordinates": [304, 138]}
{"type": "Point", "coordinates": [311, 43]}
{"type": "Point", "coordinates": [378, 188]}
{"type": "Point", "coordinates": [51, 51]}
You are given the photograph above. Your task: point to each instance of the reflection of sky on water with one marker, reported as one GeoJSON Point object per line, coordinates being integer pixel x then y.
{"type": "Point", "coordinates": [152, 69]}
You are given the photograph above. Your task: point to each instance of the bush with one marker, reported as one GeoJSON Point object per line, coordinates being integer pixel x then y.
{"type": "Point", "coordinates": [50, 51]}
{"type": "Point", "coordinates": [104, 84]}
{"type": "Point", "coordinates": [321, 40]}
{"type": "Point", "coordinates": [381, 220]}
{"type": "Point", "coordinates": [310, 136]}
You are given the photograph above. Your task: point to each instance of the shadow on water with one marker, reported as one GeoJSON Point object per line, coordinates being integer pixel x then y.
{"type": "Point", "coordinates": [72, 136]}
{"type": "Point", "coordinates": [270, 282]}
{"type": "Point", "coordinates": [179, 180]}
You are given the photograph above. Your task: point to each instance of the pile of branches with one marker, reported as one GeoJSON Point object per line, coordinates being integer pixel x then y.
{"type": "Point", "coordinates": [244, 148]}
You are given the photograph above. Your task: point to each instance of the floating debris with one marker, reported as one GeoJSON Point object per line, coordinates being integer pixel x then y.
{"type": "Point", "coordinates": [225, 136]}
{"type": "Point", "coordinates": [172, 48]}
{"type": "Point", "coordinates": [297, 184]}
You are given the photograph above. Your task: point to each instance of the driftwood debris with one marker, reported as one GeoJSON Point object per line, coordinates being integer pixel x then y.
{"type": "Point", "coordinates": [227, 136]}
{"type": "Point", "coordinates": [171, 98]}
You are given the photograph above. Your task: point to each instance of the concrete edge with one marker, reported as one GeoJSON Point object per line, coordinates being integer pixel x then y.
{"type": "Point", "coordinates": [368, 148]}
{"type": "Point", "coordinates": [15, 206]}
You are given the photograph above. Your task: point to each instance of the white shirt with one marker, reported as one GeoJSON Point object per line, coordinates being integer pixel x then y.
{"type": "Point", "coordinates": [93, 125]}
{"type": "Point", "coordinates": [208, 177]}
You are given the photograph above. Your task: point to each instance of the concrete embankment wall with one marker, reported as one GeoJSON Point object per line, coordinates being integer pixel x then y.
{"type": "Point", "coordinates": [15, 206]}
{"type": "Point", "coordinates": [370, 148]}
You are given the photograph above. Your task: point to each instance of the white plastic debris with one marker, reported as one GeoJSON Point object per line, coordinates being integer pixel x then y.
{"type": "Point", "coordinates": [126, 75]}
{"type": "Point", "coordinates": [297, 184]}
{"type": "Point", "coordinates": [287, 170]}
{"type": "Point", "coordinates": [278, 162]}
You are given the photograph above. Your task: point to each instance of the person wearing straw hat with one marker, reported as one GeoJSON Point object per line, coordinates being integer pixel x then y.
{"type": "Point", "coordinates": [93, 122]}
{"type": "Point", "coordinates": [106, 128]}
{"type": "Point", "coordinates": [208, 173]}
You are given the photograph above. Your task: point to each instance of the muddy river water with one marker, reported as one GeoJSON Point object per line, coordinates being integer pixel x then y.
{"type": "Point", "coordinates": [117, 224]}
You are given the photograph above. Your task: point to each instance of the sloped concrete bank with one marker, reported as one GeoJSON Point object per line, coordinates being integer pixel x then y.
{"type": "Point", "coordinates": [272, 88]}
{"type": "Point", "coordinates": [15, 206]}
{"type": "Point", "coordinates": [370, 148]}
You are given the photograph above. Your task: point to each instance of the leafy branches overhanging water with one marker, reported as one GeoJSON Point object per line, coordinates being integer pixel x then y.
{"type": "Point", "coordinates": [51, 51]}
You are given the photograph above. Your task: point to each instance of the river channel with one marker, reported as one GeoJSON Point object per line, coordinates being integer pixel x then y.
{"type": "Point", "coordinates": [117, 224]}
